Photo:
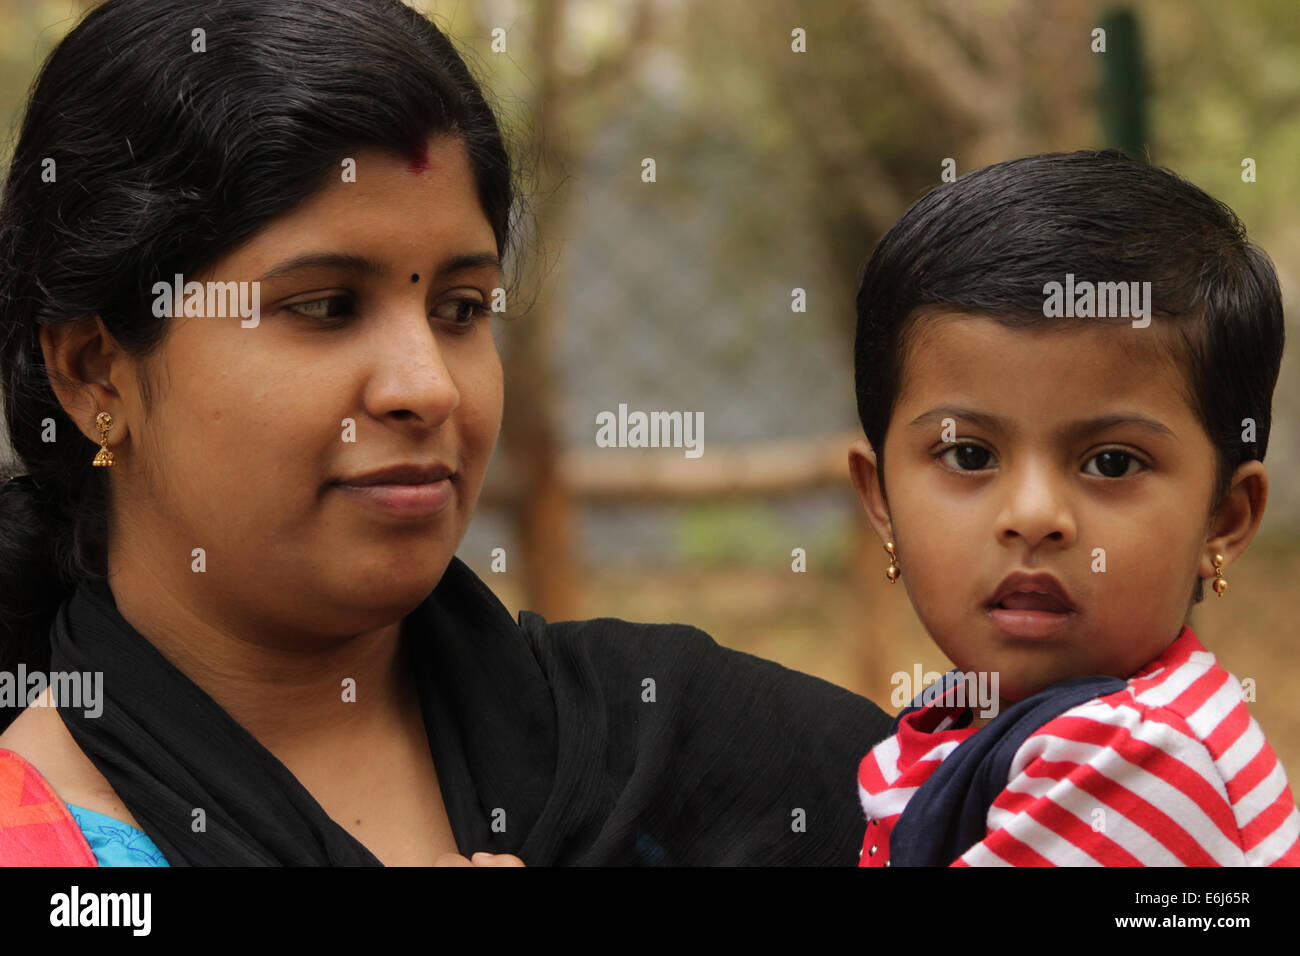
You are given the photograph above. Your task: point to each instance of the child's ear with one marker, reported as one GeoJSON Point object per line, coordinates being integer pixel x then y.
{"type": "Point", "coordinates": [862, 469]}
{"type": "Point", "coordinates": [1234, 525]}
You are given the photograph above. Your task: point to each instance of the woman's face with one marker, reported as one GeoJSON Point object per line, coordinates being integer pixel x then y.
{"type": "Point", "coordinates": [1116, 513]}
{"type": "Point", "coordinates": [349, 370]}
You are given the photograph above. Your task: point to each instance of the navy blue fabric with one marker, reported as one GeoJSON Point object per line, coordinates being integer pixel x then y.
{"type": "Point", "coordinates": [948, 813]}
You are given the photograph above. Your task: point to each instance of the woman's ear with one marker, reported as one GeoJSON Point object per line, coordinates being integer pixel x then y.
{"type": "Point", "coordinates": [79, 358]}
{"type": "Point", "coordinates": [866, 481]}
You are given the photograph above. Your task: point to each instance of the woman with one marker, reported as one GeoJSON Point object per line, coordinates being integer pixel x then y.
{"type": "Point", "coordinates": [259, 558]}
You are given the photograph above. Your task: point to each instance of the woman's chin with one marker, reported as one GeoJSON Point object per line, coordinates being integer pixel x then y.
{"type": "Point", "coordinates": [388, 589]}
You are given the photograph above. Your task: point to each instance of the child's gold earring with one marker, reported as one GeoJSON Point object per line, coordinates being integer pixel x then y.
{"type": "Point", "coordinates": [104, 421]}
{"type": "Point", "coordinates": [893, 571]}
{"type": "Point", "coordinates": [1220, 582]}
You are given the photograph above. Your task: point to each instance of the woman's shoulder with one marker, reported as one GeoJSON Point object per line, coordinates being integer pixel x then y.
{"type": "Point", "coordinates": [614, 640]}
{"type": "Point", "coordinates": [40, 740]}
{"type": "Point", "coordinates": [36, 826]}
{"type": "Point", "coordinates": [685, 658]}
{"type": "Point", "coordinates": [611, 646]}
{"type": "Point", "coordinates": [611, 630]}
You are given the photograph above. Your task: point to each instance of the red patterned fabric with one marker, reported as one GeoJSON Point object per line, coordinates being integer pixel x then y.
{"type": "Point", "coordinates": [36, 828]}
{"type": "Point", "coordinates": [1170, 771]}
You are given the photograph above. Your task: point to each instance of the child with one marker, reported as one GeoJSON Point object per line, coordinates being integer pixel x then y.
{"type": "Point", "coordinates": [1067, 363]}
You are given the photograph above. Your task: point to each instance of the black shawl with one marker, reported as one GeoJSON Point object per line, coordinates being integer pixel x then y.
{"type": "Point", "coordinates": [589, 743]}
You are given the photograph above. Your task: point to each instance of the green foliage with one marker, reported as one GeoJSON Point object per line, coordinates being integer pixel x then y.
{"type": "Point", "coordinates": [759, 534]}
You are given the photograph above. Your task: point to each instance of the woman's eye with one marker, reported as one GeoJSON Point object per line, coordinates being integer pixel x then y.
{"type": "Point", "coordinates": [321, 309]}
{"type": "Point", "coordinates": [968, 457]}
{"type": "Point", "coordinates": [337, 310]}
{"type": "Point", "coordinates": [462, 312]}
{"type": "Point", "coordinates": [1113, 463]}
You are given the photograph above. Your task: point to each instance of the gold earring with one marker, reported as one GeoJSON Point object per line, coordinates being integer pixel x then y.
{"type": "Point", "coordinates": [1220, 582]}
{"type": "Point", "coordinates": [104, 459]}
{"type": "Point", "coordinates": [893, 571]}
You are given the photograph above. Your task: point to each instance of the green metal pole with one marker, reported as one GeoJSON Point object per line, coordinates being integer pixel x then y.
{"type": "Point", "coordinates": [1122, 91]}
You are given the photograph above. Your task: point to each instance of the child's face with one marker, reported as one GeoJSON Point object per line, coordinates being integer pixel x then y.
{"type": "Point", "coordinates": [1030, 496]}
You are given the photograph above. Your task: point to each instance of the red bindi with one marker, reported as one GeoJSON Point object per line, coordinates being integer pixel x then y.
{"type": "Point", "coordinates": [420, 158]}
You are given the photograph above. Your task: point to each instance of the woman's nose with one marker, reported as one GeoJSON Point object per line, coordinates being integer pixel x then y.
{"type": "Point", "coordinates": [412, 375]}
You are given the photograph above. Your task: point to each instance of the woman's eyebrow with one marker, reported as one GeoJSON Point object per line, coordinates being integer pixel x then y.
{"type": "Point", "coordinates": [1076, 429]}
{"type": "Point", "coordinates": [373, 268]}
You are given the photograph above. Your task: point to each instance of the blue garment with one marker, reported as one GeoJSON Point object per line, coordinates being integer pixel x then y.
{"type": "Point", "coordinates": [115, 843]}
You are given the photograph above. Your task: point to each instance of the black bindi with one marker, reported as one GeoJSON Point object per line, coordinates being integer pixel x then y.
{"type": "Point", "coordinates": [415, 277]}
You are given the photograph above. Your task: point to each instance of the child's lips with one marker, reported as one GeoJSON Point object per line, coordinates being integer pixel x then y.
{"type": "Point", "coordinates": [1033, 601]}
{"type": "Point", "coordinates": [1031, 591]}
{"type": "Point", "coordinates": [1030, 623]}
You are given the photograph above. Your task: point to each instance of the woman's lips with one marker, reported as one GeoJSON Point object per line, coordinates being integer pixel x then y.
{"type": "Point", "coordinates": [405, 501]}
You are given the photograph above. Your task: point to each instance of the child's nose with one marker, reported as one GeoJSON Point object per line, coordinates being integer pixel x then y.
{"type": "Point", "coordinates": [1037, 507]}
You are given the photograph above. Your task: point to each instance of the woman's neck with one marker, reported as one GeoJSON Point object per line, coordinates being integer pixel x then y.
{"type": "Point", "coordinates": [293, 688]}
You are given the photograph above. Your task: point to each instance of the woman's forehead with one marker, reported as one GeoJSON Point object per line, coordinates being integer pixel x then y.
{"type": "Point", "coordinates": [387, 211]}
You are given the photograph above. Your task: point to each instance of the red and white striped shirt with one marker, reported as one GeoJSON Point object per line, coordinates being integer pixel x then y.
{"type": "Point", "coordinates": [1170, 771]}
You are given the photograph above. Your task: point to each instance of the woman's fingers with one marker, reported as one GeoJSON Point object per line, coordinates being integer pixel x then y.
{"type": "Point", "coordinates": [496, 859]}
{"type": "Point", "coordinates": [452, 859]}
{"type": "Point", "coordinates": [480, 859]}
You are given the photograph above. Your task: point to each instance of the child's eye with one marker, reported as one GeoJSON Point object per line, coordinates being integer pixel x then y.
{"type": "Point", "coordinates": [1114, 463]}
{"type": "Point", "coordinates": [974, 456]}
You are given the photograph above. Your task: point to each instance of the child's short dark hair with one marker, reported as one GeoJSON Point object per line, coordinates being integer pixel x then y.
{"type": "Point", "coordinates": [987, 244]}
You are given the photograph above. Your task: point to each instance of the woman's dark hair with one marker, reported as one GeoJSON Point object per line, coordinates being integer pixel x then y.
{"type": "Point", "coordinates": [140, 157]}
{"type": "Point", "coordinates": [989, 242]}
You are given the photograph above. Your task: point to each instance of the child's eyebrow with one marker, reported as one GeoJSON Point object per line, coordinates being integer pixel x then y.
{"type": "Point", "coordinates": [1076, 429]}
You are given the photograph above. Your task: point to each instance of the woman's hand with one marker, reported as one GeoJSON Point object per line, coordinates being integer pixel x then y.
{"type": "Point", "coordinates": [480, 859]}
